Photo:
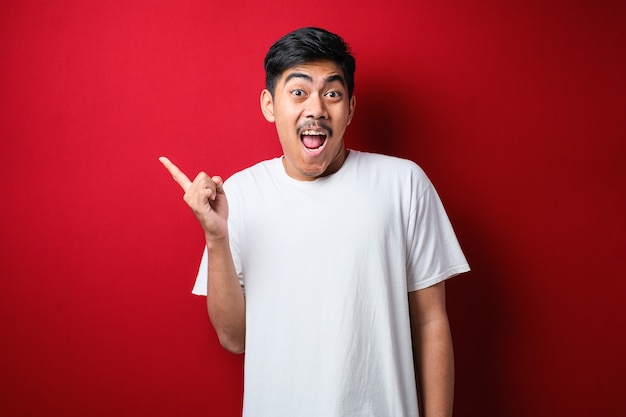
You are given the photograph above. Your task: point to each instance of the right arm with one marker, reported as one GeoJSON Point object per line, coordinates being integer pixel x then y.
{"type": "Point", "coordinates": [225, 300]}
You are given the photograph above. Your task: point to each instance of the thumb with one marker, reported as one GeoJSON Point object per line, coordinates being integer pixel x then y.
{"type": "Point", "coordinates": [219, 184]}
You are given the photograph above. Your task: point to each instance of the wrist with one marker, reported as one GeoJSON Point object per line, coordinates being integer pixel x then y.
{"type": "Point", "coordinates": [215, 242]}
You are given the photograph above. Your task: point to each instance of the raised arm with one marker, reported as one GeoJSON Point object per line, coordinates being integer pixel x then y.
{"type": "Point", "coordinates": [225, 301]}
{"type": "Point", "coordinates": [432, 350]}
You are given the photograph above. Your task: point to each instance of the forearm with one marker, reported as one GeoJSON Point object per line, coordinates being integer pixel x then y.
{"type": "Point", "coordinates": [435, 368]}
{"type": "Point", "coordinates": [225, 299]}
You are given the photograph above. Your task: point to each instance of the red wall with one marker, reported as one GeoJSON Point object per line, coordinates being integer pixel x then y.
{"type": "Point", "coordinates": [515, 109]}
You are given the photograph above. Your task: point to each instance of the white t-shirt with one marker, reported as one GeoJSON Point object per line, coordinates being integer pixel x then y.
{"type": "Point", "coordinates": [326, 266]}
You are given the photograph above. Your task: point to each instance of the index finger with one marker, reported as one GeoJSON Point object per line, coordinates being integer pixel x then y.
{"type": "Point", "coordinates": [178, 175]}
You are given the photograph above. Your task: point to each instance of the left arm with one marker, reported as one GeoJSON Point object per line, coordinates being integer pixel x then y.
{"type": "Point", "coordinates": [432, 350]}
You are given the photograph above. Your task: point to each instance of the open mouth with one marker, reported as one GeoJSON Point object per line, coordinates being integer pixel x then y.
{"type": "Point", "coordinates": [312, 139]}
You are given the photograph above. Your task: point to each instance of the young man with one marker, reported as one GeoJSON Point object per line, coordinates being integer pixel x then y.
{"type": "Point", "coordinates": [327, 265]}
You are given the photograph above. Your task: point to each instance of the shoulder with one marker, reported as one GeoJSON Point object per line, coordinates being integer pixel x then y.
{"type": "Point", "coordinates": [388, 166]}
{"type": "Point", "coordinates": [258, 172]}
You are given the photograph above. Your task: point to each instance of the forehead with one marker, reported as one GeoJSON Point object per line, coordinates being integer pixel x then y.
{"type": "Point", "coordinates": [315, 71]}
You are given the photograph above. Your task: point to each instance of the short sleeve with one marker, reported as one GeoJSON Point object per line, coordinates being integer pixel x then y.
{"type": "Point", "coordinates": [201, 284]}
{"type": "Point", "coordinates": [434, 252]}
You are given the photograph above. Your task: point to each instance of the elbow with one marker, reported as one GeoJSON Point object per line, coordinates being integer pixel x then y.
{"type": "Point", "coordinates": [230, 328]}
{"type": "Point", "coordinates": [236, 346]}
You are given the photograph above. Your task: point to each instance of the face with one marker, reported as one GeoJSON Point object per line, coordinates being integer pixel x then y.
{"type": "Point", "coordinates": [311, 110]}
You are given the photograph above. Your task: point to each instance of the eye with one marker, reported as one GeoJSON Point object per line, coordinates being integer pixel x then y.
{"type": "Point", "coordinates": [334, 94]}
{"type": "Point", "coordinates": [297, 92]}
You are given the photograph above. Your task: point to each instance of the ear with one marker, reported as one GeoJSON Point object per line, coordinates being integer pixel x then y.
{"type": "Point", "coordinates": [352, 107]}
{"type": "Point", "coordinates": [267, 105]}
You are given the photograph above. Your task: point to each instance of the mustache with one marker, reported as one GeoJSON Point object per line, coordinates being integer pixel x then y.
{"type": "Point", "coordinates": [317, 124]}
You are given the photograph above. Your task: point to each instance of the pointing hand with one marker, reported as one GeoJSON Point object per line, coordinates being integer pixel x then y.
{"type": "Point", "coordinates": [205, 196]}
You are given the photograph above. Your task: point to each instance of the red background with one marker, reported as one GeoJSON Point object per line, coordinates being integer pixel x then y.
{"type": "Point", "coordinates": [515, 109]}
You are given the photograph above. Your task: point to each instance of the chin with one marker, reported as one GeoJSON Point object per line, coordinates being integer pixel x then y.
{"type": "Point", "coordinates": [313, 173]}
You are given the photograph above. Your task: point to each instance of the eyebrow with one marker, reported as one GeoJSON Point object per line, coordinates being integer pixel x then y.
{"type": "Point", "coordinates": [330, 79]}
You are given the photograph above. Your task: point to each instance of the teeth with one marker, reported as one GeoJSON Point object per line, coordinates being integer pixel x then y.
{"type": "Point", "coordinates": [313, 133]}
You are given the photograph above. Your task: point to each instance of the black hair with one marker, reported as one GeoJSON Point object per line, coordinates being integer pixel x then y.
{"type": "Point", "coordinates": [308, 45]}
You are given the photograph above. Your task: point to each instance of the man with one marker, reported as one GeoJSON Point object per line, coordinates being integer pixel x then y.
{"type": "Point", "coordinates": [327, 265]}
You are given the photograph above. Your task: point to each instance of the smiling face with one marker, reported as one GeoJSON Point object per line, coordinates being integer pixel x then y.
{"type": "Point", "coordinates": [311, 110]}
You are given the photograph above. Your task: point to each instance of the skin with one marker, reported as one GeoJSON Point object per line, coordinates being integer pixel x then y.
{"type": "Point", "coordinates": [225, 301]}
{"type": "Point", "coordinates": [432, 350]}
{"type": "Point", "coordinates": [312, 97]}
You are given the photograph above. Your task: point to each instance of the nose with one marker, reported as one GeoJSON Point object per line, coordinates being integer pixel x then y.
{"type": "Point", "coordinates": [316, 108]}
